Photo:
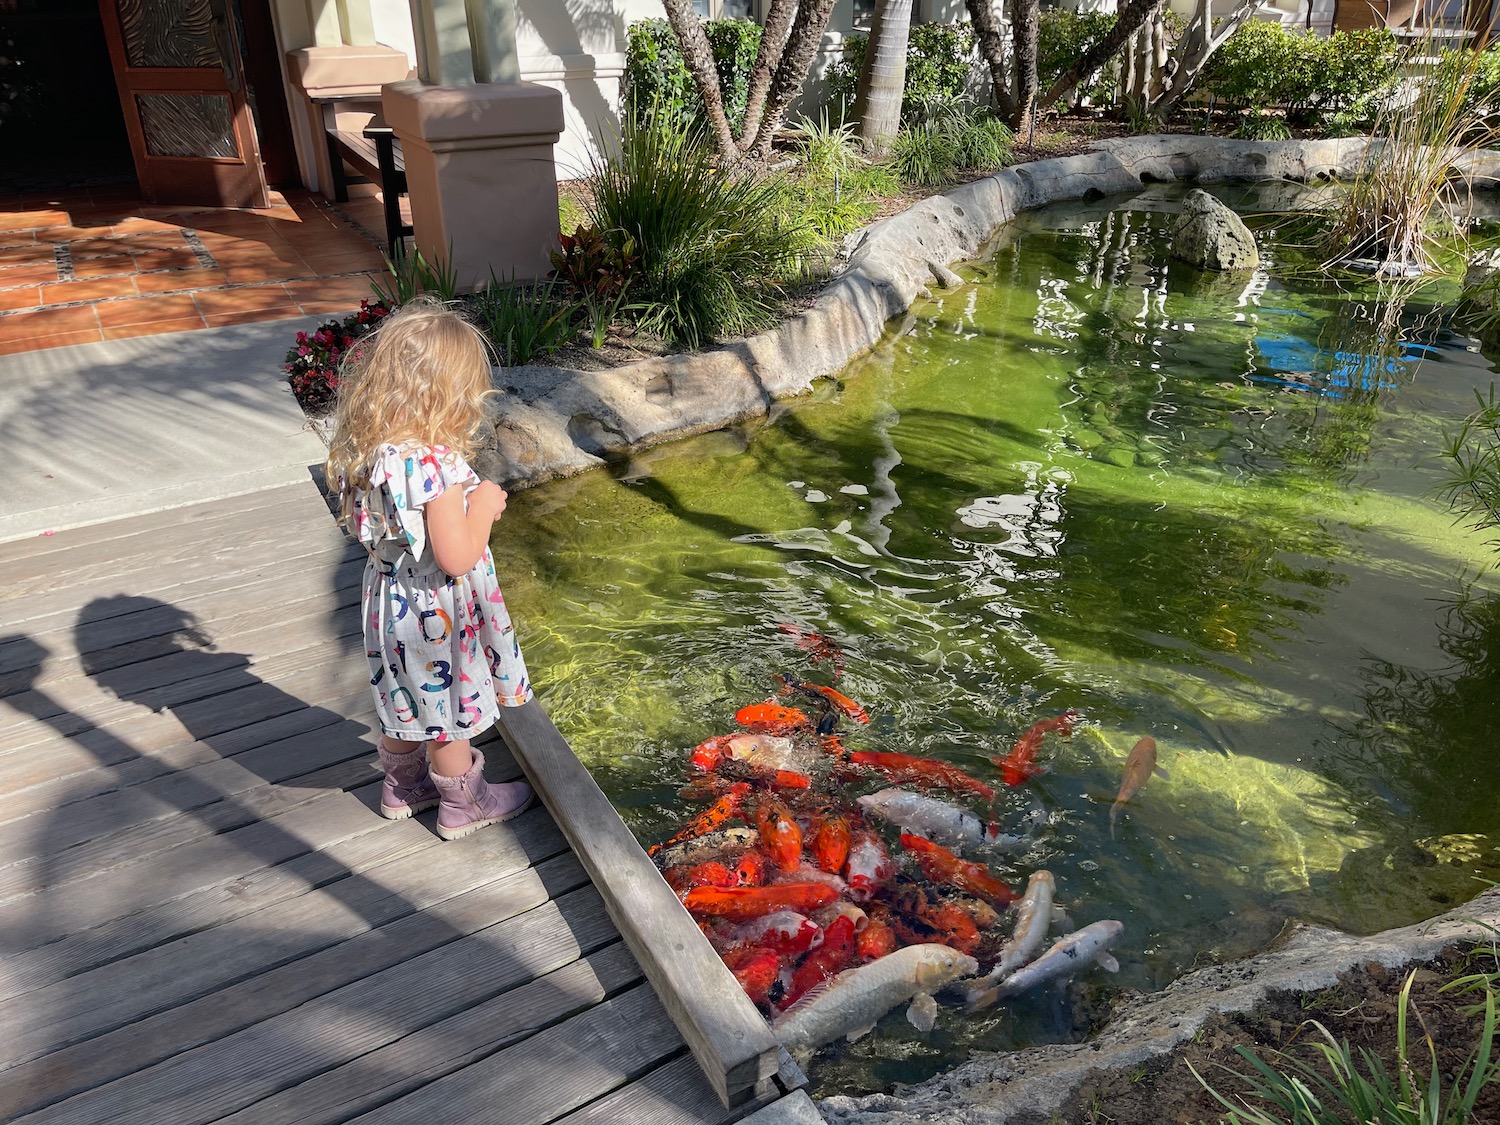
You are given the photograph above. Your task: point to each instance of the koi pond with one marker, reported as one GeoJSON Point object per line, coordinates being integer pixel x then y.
{"type": "Point", "coordinates": [1190, 506]}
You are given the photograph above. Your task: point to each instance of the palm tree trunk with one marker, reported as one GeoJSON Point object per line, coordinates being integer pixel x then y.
{"type": "Point", "coordinates": [992, 50]}
{"type": "Point", "coordinates": [1025, 26]}
{"type": "Point", "coordinates": [772, 40]}
{"type": "Point", "coordinates": [796, 59]}
{"type": "Point", "coordinates": [700, 64]}
{"type": "Point", "coordinates": [877, 100]}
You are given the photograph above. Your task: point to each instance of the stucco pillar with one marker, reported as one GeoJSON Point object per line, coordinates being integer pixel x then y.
{"type": "Point", "coordinates": [481, 173]}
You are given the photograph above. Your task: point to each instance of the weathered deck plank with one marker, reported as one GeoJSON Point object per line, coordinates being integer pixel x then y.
{"type": "Point", "coordinates": [203, 916]}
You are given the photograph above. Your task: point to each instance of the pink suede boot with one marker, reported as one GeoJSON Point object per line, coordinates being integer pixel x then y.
{"type": "Point", "coordinates": [408, 786]}
{"type": "Point", "coordinates": [469, 802]}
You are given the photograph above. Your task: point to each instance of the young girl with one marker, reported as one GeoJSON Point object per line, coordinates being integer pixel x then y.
{"type": "Point", "coordinates": [443, 655]}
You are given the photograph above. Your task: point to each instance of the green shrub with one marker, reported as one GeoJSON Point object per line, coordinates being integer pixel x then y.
{"type": "Point", "coordinates": [657, 78]}
{"type": "Point", "coordinates": [837, 190]}
{"type": "Point", "coordinates": [1262, 127]}
{"type": "Point", "coordinates": [712, 247]}
{"type": "Point", "coordinates": [940, 60]}
{"type": "Point", "coordinates": [1345, 75]}
{"type": "Point", "coordinates": [950, 137]}
{"type": "Point", "coordinates": [1063, 36]}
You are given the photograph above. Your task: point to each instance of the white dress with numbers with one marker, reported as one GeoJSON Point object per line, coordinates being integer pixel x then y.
{"type": "Point", "coordinates": [443, 654]}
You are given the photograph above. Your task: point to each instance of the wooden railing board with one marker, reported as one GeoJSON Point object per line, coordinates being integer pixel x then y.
{"type": "Point", "coordinates": [726, 1033]}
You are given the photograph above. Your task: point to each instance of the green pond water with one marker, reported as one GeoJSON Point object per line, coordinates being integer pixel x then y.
{"type": "Point", "coordinates": [1193, 507]}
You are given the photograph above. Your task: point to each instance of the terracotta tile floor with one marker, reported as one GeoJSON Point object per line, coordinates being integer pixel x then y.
{"type": "Point", "coordinates": [98, 264]}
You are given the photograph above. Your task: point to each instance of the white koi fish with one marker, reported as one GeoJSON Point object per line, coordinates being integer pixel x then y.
{"type": "Point", "coordinates": [1071, 953]}
{"type": "Point", "coordinates": [929, 817]}
{"type": "Point", "coordinates": [853, 1002]}
{"type": "Point", "coordinates": [1033, 917]}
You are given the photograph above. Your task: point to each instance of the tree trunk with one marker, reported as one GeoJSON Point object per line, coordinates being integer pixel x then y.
{"type": "Point", "coordinates": [1198, 43]}
{"type": "Point", "coordinates": [700, 64]}
{"type": "Point", "coordinates": [1025, 25]}
{"type": "Point", "coordinates": [772, 40]}
{"type": "Point", "coordinates": [992, 50]}
{"type": "Point", "coordinates": [1131, 17]}
{"type": "Point", "coordinates": [796, 59]}
{"type": "Point", "coordinates": [882, 80]}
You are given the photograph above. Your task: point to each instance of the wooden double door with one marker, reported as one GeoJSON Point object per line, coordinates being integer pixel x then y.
{"type": "Point", "coordinates": [181, 78]}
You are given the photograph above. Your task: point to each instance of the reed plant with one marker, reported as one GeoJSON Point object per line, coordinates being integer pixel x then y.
{"type": "Point", "coordinates": [1472, 453]}
{"type": "Point", "coordinates": [1355, 1088]}
{"type": "Point", "coordinates": [1395, 206]}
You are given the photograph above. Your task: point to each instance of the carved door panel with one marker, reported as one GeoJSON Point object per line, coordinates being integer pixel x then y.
{"type": "Point", "coordinates": [177, 67]}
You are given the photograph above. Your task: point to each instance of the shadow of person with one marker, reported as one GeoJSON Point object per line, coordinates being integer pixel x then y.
{"type": "Point", "coordinates": [157, 880]}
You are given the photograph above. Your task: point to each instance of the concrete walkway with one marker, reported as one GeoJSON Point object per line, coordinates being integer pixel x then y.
{"type": "Point", "coordinates": [107, 430]}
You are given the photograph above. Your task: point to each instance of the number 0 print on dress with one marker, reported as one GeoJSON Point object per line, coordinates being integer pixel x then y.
{"type": "Point", "coordinates": [444, 657]}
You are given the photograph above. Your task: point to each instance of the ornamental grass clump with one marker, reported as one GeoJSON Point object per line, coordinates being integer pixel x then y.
{"type": "Point", "coordinates": [1394, 209]}
{"type": "Point", "coordinates": [713, 246]}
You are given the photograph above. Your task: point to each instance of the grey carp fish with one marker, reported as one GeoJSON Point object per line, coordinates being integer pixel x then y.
{"type": "Point", "coordinates": [1033, 917]}
{"type": "Point", "coordinates": [853, 1002]}
{"type": "Point", "coordinates": [930, 817]}
{"type": "Point", "coordinates": [1068, 955]}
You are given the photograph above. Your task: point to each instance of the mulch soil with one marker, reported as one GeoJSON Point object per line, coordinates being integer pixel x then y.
{"type": "Point", "coordinates": [1361, 1008]}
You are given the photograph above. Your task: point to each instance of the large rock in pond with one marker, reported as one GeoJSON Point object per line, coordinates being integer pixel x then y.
{"type": "Point", "coordinates": [1211, 236]}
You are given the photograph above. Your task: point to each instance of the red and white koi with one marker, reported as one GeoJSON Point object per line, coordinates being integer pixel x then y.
{"type": "Point", "coordinates": [868, 867]}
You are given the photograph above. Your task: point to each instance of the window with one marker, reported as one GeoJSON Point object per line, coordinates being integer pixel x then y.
{"type": "Point", "coordinates": [726, 9]}
{"type": "Point", "coordinates": [864, 11]}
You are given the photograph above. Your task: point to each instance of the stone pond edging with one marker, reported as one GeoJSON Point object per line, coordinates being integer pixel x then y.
{"type": "Point", "coordinates": [555, 422]}
{"type": "Point", "coordinates": [1028, 1085]}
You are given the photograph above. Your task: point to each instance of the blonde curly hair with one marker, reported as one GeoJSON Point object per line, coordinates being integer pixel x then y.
{"type": "Point", "coordinates": [421, 377]}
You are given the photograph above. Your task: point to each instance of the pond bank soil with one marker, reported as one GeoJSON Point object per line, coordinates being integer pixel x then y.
{"type": "Point", "coordinates": [1135, 1072]}
{"type": "Point", "coordinates": [1360, 1009]}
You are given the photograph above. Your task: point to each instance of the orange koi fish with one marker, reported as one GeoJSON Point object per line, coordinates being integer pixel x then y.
{"type": "Point", "coordinates": [876, 940]}
{"type": "Point", "coordinates": [772, 718]}
{"type": "Point", "coordinates": [1020, 763]}
{"type": "Point", "coordinates": [954, 923]}
{"type": "Point", "coordinates": [1138, 770]}
{"type": "Point", "coordinates": [830, 843]}
{"type": "Point", "coordinates": [750, 871]}
{"type": "Point", "coordinates": [709, 874]}
{"type": "Point", "coordinates": [779, 833]}
{"type": "Point", "coordinates": [755, 969]}
{"type": "Point", "coordinates": [922, 772]}
{"type": "Point", "coordinates": [741, 904]}
{"type": "Point", "coordinates": [942, 866]}
{"type": "Point", "coordinates": [841, 702]}
{"type": "Point", "coordinates": [819, 647]}
{"type": "Point", "coordinates": [727, 806]}
{"type": "Point", "coordinates": [828, 960]}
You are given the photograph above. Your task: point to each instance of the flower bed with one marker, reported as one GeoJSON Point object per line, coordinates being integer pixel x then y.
{"type": "Point", "coordinates": [312, 362]}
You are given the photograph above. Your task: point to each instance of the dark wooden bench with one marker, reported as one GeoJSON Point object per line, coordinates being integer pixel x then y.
{"type": "Point", "coordinates": [377, 154]}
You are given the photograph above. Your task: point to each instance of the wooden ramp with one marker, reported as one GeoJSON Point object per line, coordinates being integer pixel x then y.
{"type": "Point", "coordinates": [204, 918]}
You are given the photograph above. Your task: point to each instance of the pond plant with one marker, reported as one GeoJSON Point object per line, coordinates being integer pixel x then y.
{"type": "Point", "coordinates": [1392, 212]}
{"type": "Point", "coordinates": [1353, 1088]}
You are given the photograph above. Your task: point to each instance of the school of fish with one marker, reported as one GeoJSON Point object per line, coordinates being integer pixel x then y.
{"type": "Point", "coordinates": [831, 910]}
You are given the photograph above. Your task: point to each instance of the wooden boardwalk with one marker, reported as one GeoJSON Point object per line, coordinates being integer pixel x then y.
{"type": "Point", "coordinates": [203, 918]}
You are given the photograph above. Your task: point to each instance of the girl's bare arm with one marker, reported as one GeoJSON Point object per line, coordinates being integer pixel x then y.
{"type": "Point", "coordinates": [459, 537]}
